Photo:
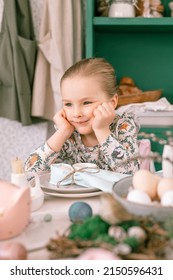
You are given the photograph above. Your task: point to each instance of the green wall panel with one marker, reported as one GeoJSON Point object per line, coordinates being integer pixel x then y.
{"type": "Point", "coordinates": [147, 58]}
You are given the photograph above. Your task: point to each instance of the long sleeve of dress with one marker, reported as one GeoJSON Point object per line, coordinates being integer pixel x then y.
{"type": "Point", "coordinates": [41, 159]}
{"type": "Point", "coordinates": [119, 148]}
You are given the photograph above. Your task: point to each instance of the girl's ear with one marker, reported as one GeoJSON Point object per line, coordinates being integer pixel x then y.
{"type": "Point", "coordinates": [114, 100]}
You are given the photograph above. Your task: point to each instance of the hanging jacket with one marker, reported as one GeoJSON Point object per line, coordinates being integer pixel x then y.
{"type": "Point", "coordinates": [59, 46]}
{"type": "Point", "coordinates": [17, 61]}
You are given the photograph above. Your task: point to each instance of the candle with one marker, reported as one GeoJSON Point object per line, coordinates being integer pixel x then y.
{"type": "Point", "coordinates": [18, 177]}
{"type": "Point", "coordinates": [17, 166]}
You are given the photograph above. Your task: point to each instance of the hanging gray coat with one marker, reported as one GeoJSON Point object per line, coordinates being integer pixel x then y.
{"type": "Point", "coordinates": [17, 61]}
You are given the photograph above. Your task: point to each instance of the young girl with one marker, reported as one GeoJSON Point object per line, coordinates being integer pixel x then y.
{"type": "Point", "coordinates": [88, 129]}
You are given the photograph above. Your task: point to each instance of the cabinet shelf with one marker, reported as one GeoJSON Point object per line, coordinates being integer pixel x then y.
{"type": "Point", "coordinates": [141, 48]}
{"type": "Point", "coordinates": [164, 24]}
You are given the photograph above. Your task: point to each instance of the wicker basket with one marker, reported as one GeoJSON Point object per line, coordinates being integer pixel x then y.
{"type": "Point", "coordinates": [145, 96]}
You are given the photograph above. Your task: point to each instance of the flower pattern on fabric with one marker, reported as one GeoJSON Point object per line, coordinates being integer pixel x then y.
{"type": "Point", "coordinates": [121, 145]}
{"type": "Point", "coordinates": [124, 126]}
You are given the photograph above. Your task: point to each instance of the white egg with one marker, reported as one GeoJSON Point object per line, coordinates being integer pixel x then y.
{"type": "Point", "coordinates": [167, 199]}
{"type": "Point", "coordinates": [139, 196]}
{"type": "Point", "coordinates": [137, 232]}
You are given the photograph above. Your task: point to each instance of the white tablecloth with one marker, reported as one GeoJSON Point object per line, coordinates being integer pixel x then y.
{"type": "Point", "coordinates": [38, 232]}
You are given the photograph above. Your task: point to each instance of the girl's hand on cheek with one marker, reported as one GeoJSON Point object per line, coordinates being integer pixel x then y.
{"type": "Point", "coordinates": [104, 115]}
{"type": "Point", "coordinates": [64, 131]}
{"type": "Point", "coordinates": [61, 121]}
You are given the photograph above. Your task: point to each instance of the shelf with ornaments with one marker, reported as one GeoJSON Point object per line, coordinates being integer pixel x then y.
{"type": "Point", "coordinates": [147, 20]}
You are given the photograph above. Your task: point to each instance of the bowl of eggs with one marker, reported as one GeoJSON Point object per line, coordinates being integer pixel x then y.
{"type": "Point", "coordinates": [146, 194]}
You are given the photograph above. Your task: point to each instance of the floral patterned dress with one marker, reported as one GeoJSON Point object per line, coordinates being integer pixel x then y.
{"type": "Point", "coordinates": [114, 154]}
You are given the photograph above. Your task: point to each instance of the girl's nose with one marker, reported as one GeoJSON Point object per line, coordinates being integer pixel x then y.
{"type": "Point", "coordinates": [77, 112]}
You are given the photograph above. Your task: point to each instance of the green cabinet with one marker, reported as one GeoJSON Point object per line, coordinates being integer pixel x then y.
{"type": "Point", "coordinates": [141, 48]}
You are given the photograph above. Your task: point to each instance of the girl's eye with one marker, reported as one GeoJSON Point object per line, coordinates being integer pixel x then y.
{"type": "Point", "coordinates": [87, 102]}
{"type": "Point", "coordinates": [68, 104]}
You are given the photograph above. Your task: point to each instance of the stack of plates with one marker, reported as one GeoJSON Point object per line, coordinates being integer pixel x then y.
{"type": "Point", "coordinates": [68, 191]}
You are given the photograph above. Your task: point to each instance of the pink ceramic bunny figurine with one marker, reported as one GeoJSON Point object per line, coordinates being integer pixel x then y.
{"type": "Point", "coordinates": [14, 209]}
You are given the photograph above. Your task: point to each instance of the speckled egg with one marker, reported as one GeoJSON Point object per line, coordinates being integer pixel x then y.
{"type": "Point", "coordinates": [137, 232]}
{"type": "Point", "coordinates": [79, 211]}
{"type": "Point", "coordinates": [117, 232]}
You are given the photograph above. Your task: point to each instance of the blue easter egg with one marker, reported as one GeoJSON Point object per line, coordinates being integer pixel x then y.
{"type": "Point", "coordinates": [79, 211]}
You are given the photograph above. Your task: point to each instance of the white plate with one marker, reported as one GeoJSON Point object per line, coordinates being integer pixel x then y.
{"type": "Point", "coordinates": [74, 195]}
{"type": "Point", "coordinates": [68, 189]}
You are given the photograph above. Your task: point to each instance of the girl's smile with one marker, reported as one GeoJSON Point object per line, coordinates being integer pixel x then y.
{"type": "Point", "coordinates": [79, 123]}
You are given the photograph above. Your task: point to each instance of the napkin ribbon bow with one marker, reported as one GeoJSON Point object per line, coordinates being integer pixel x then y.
{"type": "Point", "coordinates": [84, 174]}
{"type": "Point", "coordinates": [89, 169]}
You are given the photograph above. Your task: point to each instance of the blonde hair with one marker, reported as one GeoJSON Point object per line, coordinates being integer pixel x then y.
{"type": "Point", "coordinates": [94, 67]}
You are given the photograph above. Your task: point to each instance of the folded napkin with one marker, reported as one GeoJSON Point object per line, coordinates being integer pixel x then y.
{"type": "Point", "coordinates": [84, 174]}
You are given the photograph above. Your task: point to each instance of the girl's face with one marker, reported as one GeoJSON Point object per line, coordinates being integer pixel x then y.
{"type": "Point", "coordinates": [81, 96]}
